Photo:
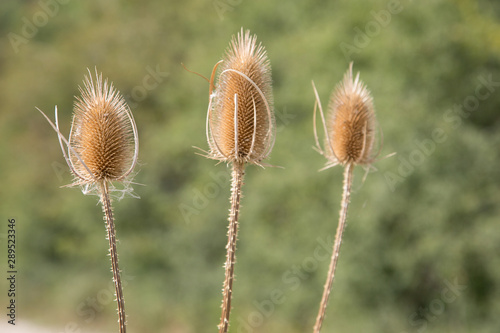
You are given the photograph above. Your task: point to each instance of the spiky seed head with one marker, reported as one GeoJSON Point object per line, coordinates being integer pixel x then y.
{"type": "Point", "coordinates": [350, 122]}
{"type": "Point", "coordinates": [241, 118]}
{"type": "Point", "coordinates": [103, 133]}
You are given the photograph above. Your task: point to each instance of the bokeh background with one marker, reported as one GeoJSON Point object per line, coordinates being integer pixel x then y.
{"type": "Point", "coordinates": [421, 249]}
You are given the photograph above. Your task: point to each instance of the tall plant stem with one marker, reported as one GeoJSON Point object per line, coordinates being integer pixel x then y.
{"type": "Point", "coordinates": [336, 246]}
{"type": "Point", "coordinates": [110, 226]}
{"type": "Point", "coordinates": [227, 291]}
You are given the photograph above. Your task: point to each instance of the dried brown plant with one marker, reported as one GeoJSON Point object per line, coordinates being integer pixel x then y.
{"type": "Point", "coordinates": [350, 129]}
{"type": "Point", "coordinates": [242, 100]}
{"type": "Point", "coordinates": [240, 130]}
{"type": "Point", "coordinates": [102, 147]}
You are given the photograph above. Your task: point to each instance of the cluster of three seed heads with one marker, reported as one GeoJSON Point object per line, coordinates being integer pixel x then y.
{"type": "Point", "coordinates": [240, 126]}
{"type": "Point", "coordinates": [240, 120]}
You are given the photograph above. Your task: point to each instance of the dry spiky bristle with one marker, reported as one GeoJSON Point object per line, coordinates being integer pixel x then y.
{"type": "Point", "coordinates": [351, 122]}
{"type": "Point", "coordinates": [245, 78]}
{"type": "Point", "coordinates": [102, 133]}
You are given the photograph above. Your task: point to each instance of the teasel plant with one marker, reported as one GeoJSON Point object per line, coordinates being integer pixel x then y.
{"type": "Point", "coordinates": [102, 150]}
{"type": "Point", "coordinates": [350, 131]}
{"type": "Point", "coordinates": [240, 128]}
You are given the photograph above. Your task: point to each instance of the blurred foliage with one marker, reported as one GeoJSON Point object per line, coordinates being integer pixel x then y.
{"type": "Point", "coordinates": [424, 221]}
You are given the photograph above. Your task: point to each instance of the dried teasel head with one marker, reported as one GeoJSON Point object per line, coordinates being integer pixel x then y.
{"type": "Point", "coordinates": [103, 133]}
{"type": "Point", "coordinates": [350, 124]}
{"type": "Point", "coordinates": [103, 143]}
{"type": "Point", "coordinates": [240, 119]}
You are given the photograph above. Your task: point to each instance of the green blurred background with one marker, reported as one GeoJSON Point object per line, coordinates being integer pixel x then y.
{"type": "Point", "coordinates": [421, 248]}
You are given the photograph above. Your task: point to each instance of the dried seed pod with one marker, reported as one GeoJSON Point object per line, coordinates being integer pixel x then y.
{"type": "Point", "coordinates": [240, 130]}
{"type": "Point", "coordinates": [240, 121]}
{"type": "Point", "coordinates": [350, 123]}
{"type": "Point", "coordinates": [350, 135]}
{"type": "Point", "coordinates": [103, 134]}
{"type": "Point", "coordinates": [103, 146]}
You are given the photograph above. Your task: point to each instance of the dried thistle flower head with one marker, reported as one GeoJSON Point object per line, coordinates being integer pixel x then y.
{"type": "Point", "coordinates": [102, 147]}
{"type": "Point", "coordinates": [103, 133]}
{"type": "Point", "coordinates": [240, 120]}
{"type": "Point", "coordinates": [350, 132]}
{"type": "Point", "coordinates": [350, 123]}
{"type": "Point", "coordinates": [103, 144]}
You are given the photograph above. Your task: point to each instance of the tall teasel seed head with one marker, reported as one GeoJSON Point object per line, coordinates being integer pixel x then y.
{"type": "Point", "coordinates": [103, 146]}
{"type": "Point", "coordinates": [240, 121]}
{"type": "Point", "coordinates": [102, 132]}
{"type": "Point", "coordinates": [350, 123]}
{"type": "Point", "coordinates": [103, 142]}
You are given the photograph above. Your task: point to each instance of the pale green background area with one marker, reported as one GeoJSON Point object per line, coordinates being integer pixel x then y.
{"type": "Point", "coordinates": [426, 219]}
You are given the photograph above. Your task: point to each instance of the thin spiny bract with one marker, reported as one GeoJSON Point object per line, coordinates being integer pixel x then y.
{"type": "Point", "coordinates": [240, 130]}
{"type": "Point", "coordinates": [103, 148]}
{"type": "Point", "coordinates": [349, 140]}
{"type": "Point", "coordinates": [240, 120]}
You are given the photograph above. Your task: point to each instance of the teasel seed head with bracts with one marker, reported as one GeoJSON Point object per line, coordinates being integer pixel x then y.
{"type": "Point", "coordinates": [102, 149]}
{"type": "Point", "coordinates": [240, 119]}
{"type": "Point", "coordinates": [350, 128]}
{"type": "Point", "coordinates": [240, 129]}
{"type": "Point", "coordinates": [103, 143]}
{"type": "Point", "coordinates": [103, 134]}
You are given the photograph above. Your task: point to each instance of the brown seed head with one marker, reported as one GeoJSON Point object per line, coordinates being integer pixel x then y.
{"type": "Point", "coordinates": [103, 133]}
{"type": "Point", "coordinates": [241, 118]}
{"type": "Point", "coordinates": [350, 122]}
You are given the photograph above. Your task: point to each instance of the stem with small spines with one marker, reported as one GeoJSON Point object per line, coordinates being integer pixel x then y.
{"type": "Point", "coordinates": [110, 227]}
{"type": "Point", "coordinates": [346, 194]}
{"type": "Point", "coordinates": [227, 291]}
